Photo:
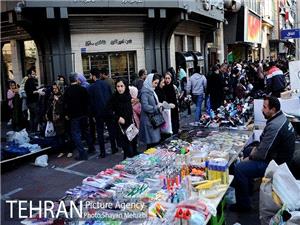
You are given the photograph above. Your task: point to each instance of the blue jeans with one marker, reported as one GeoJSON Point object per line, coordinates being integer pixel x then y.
{"type": "Point", "coordinates": [244, 173]}
{"type": "Point", "coordinates": [79, 128]}
{"type": "Point", "coordinates": [198, 99]}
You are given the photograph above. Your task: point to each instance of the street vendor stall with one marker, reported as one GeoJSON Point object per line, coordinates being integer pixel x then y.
{"type": "Point", "coordinates": [180, 181]}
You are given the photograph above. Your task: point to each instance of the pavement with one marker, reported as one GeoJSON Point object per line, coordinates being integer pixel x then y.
{"type": "Point", "coordinates": [26, 181]}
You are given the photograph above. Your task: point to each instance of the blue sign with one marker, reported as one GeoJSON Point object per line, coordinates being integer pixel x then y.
{"type": "Point", "coordinates": [290, 34]}
{"type": "Point", "coordinates": [83, 50]}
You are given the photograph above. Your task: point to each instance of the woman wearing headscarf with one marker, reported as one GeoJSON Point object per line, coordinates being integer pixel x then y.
{"type": "Point", "coordinates": [55, 114]}
{"type": "Point", "coordinates": [136, 105]}
{"type": "Point", "coordinates": [159, 90]}
{"type": "Point", "coordinates": [150, 104]}
{"type": "Point", "coordinates": [170, 94]}
{"type": "Point", "coordinates": [121, 107]}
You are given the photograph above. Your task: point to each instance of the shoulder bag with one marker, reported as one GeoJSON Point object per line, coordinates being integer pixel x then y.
{"type": "Point", "coordinates": [131, 131]}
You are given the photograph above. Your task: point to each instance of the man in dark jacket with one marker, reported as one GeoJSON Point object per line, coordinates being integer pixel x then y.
{"type": "Point", "coordinates": [277, 142]}
{"type": "Point", "coordinates": [100, 94]}
{"type": "Point", "coordinates": [32, 99]}
{"type": "Point", "coordinates": [76, 101]}
{"type": "Point", "coordinates": [275, 80]}
{"type": "Point", "coordinates": [215, 88]}
{"type": "Point", "coordinates": [138, 83]}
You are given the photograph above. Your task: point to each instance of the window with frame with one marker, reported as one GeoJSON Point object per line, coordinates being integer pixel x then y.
{"type": "Point", "coordinates": [179, 43]}
{"type": "Point", "coordinates": [117, 63]}
{"type": "Point", "coordinates": [191, 43]}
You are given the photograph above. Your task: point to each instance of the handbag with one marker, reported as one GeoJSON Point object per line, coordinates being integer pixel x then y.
{"type": "Point", "coordinates": [156, 119]}
{"type": "Point", "coordinates": [130, 132]}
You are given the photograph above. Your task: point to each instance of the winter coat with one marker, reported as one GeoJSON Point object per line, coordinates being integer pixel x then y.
{"type": "Point", "coordinates": [100, 94]}
{"type": "Point", "coordinates": [120, 106]}
{"type": "Point", "coordinates": [148, 134]}
{"type": "Point", "coordinates": [31, 86]}
{"type": "Point", "coordinates": [137, 108]}
{"type": "Point", "coordinates": [55, 113]}
{"type": "Point", "coordinates": [275, 80]}
{"type": "Point", "coordinates": [197, 84]}
{"type": "Point", "coordinates": [277, 141]}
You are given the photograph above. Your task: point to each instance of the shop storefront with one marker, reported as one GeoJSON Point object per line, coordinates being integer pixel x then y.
{"type": "Point", "coordinates": [18, 56]}
{"type": "Point", "coordinates": [122, 54]}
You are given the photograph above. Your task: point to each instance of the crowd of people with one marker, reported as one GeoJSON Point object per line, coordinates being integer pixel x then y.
{"type": "Point", "coordinates": [85, 107]}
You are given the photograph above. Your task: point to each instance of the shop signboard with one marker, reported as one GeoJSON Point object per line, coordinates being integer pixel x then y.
{"type": "Point", "coordinates": [290, 33]}
{"type": "Point", "coordinates": [253, 25]}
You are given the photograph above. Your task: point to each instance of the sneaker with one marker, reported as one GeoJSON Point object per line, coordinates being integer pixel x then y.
{"type": "Point", "coordinates": [60, 155]}
{"type": "Point", "coordinates": [69, 155]}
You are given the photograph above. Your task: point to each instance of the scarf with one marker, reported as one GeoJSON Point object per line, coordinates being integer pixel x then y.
{"type": "Point", "coordinates": [148, 85]}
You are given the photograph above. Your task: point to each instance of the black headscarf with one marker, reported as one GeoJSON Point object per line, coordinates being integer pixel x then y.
{"type": "Point", "coordinates": [121, 104]}
{"type": "Point", "coordinates": [170, 92]}
{"type": "Point", "coordinates": [160, 92]}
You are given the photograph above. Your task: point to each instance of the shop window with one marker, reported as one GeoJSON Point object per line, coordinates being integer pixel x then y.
{"type": "Point", "coordinates": [191, 43]}
{"type": "Point", "coordinates": [117, 63]}
{"type": "Point", "coordinates": [7, 61]}
{"type": "Point", "coordinates": [179, 43]}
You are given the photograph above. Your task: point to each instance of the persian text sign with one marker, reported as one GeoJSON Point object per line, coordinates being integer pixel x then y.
{"type": "Point", "coordinates": [290, 33]}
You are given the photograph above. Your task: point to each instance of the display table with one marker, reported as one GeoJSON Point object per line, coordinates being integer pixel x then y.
{"type": "Point", "coordinates": [12, 161]}
{"type": "Point", "coordinates": [215, 201]}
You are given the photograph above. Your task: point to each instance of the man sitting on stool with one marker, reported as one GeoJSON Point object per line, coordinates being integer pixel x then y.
{"type": "Point", "coordinates": [277, 142]}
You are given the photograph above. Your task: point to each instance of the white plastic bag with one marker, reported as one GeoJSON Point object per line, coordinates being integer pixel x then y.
{"type": "Point", "coordinates": [286, 187]}
{"type": "Point", "coordinates": [166, 128]}
{"type": "Point", "coordinates": [41, 161]}
{"type": "Point", "coordinates": [20, 137]}
{"type": "Point", "coordinates": [267, 206]}
{"type": "Point", "coordinates": [50, 131]}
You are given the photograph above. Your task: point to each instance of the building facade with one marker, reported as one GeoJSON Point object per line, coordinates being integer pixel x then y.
{"type": "Point", "coordinates": [122, 35]}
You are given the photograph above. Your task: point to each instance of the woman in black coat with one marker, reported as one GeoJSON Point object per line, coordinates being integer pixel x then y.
{"type": "Point", "coordinates": [171, 97]}
{"type": "Point", "coordinates": [159, 90]}
{"type": "Point", "coordinates": [123, 117]}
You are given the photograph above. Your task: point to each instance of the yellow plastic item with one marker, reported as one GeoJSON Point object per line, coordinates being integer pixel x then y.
{"type": "Point", "coordinates": [276, 199]}
{"type": "Point", "coordinates": [208, 184]}
{"type": "Point", "coordinates": [150, 151]}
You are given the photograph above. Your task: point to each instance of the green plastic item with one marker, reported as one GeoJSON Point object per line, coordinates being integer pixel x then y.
{"type": "Point", "coordinates": [182, 151]}
{"type": "Point", "coordinates": [219, 219]}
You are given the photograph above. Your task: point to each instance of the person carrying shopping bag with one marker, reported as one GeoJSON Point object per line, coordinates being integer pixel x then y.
{"type": "Point", "coordinates": [121, 107]}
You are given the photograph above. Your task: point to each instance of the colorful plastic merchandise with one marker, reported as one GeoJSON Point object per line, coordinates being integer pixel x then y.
{"type": "Point", "coordinates": [232, 114]}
